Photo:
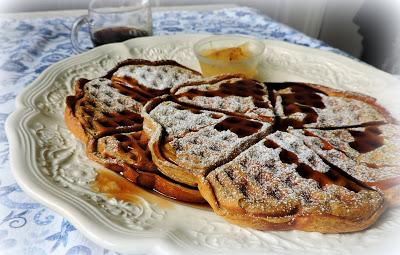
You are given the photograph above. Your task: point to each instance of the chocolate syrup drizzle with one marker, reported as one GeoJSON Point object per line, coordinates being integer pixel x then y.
{"type": "Point", "coordinates": [301, 99]}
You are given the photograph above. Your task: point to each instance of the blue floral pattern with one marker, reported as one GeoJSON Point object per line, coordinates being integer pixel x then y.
{"type": "Point", "coordinates": [28, 48]}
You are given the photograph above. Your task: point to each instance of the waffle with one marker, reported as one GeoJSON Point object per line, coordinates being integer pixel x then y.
{"type": "Point", "coordinates": [250, 153]}
{"type": "Point", "coordinates": [308, 105]}
{"type": "Point", "coordinates": [231, 94]}
{"type": "Point", "coordinates": [271, 156]}
{"type": "Point", "coordinates": [104, 113]}
{"type": "Point", "coordinates": [99, 109]}
{"type": "Point", "coordinates": [281, 184]}
{"type": "Point", "coordinates": [107, 105]}
{"type": "Point", "coordinates": [369, 154]}
{"type": "Point", "coordinates": [374, 145]}
{"type": "Point", "coordinates": [190, 141]}
{"type": "Point", "coordinates": [128, 154]}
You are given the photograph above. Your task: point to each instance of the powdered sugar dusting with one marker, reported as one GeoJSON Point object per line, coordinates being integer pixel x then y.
{"type": "Point", "coordinates": [206, 147]}
{"type": "Point", "coordinates": [293, 144]}
{"type": "Point", "coordinates": [209, 147]}
{"type": "Point", "coordinates": [110, 144]}
{"type": "Point", "coordinates": [107, 98]}
{"type": "Point", "coordinates": [156, 77]}
{"type": "Point", "coordinates": [206, 85]}
{"type": "Point", "coordinates": [340, 111]}
{"type": "Point", "coordinates": [109, 147]}
{"type": "Point", "coordinates": [336, 111]}
{"type": "Point", "coordinates": [232, 103]}
{"type": "Point", "coordinates": [259, 182]}
{"type": "Point", "coordinates": [387, 154]}
{"type": "Point", "coordinates": [178, 122]}
{"type": "Point", "coordinates": [358, 170]}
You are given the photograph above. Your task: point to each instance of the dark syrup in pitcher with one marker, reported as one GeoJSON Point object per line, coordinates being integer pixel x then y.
{"type": "Point", "coordinates": [116, 34]}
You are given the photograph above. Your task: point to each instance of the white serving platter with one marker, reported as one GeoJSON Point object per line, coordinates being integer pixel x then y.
{"type": "Point", "coordinates": [51, 166]}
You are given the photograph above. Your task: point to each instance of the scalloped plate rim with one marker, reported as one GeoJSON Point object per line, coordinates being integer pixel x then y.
{"type": "Point", "coordinates": [78, 218]}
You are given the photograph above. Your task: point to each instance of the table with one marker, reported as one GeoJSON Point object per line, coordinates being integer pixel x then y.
{"type": "Point", "coordinates": [29, 44]}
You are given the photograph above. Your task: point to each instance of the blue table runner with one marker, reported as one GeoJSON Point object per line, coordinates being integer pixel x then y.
{"type": "Point", "coordinates": [28, 47]}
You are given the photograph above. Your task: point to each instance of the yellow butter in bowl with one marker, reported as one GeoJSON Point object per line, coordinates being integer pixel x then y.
{"type": "Point", "coordinates": [241, 52]}
{"type": "Point", "coordinates": [229, 54]}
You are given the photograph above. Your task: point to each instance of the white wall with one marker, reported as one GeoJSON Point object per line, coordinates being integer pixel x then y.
{"type": "Point", "coordinates": [338, 27]}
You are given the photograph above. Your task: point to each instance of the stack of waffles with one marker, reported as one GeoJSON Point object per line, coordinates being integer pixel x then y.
{"type": "Point", "coordinates": [271, 156]}
{"type": "Point", "coordinates": [105, 114]}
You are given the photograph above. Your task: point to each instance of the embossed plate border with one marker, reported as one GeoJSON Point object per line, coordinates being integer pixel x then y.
{"type": "Point", "coordinates": [51, 166]}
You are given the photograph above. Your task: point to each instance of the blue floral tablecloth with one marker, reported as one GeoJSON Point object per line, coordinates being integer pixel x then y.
{"type": "Point", "coordinates": [27, 48]}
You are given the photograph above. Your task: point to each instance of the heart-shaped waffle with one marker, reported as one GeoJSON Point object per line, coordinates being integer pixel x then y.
{"type": "Point", "coordinates": [272, 156]}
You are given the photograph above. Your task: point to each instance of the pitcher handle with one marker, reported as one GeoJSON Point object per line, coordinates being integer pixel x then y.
{"type": "Point", "coordinates": [74, 33]}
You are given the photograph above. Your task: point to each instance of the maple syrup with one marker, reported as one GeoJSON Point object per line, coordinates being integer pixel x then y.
{"type": "Point", "coordinates": [116, 34]}
{"type": "Point", "coordinates": [115, 186]}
